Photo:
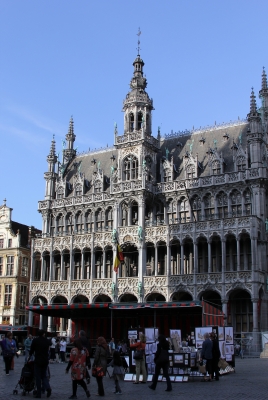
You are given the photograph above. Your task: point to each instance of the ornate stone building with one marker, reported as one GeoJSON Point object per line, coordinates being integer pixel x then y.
{"type": "Point", "coordinates": [188, 210]}
{"type": "Point", "coordinates": [15, 258]}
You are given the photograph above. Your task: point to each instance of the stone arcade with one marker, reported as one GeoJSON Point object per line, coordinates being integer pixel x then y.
{"type": "Point", "coordinates": [188, 210]}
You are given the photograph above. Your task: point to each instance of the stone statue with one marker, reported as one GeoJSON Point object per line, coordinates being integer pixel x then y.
{"type": "Point", "coordinates": [113, 287]}
{"type": "Point", "coordinates": [167, 153]}
{"type": "Point", "coordinates": [114, 236]}
{"type": "Point", "coordinates": [266, 225]}
{"type": "Point", "coordinates": [140, 288]}
{"type": "Point", "coordinates": [140, 233]}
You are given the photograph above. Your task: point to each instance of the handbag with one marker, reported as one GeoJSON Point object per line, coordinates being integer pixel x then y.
{"type": "Point", "coordinates": [138, 354]}
{"type": "Point", "coordinates": [222, 364]}
{"type": "Point", "coordinates": [97, 372]}
{"type": "Point", "coordinates": [163, 357]}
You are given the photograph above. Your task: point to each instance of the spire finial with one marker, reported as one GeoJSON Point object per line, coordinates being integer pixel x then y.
{"type": "Point", "coordinates": [264, 79]}
{"type": "Point", "coordinates": [138, 34]}
{"type": "Point", "coordinates": [253, 104]}
{"type": "Point", "coordinates": [4, 201]}
{"type": "Point", "coordinates": [71, 126]}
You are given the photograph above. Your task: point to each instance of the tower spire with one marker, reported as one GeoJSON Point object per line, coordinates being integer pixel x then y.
{"type": "Point", "coordinates": [253, 104]}
{"type": "Point", "coordinates": [264, 80]}
{"type": "Point", "coordinates": [138, 34]}
{"type": "Point", "coordinates": [69, 152]}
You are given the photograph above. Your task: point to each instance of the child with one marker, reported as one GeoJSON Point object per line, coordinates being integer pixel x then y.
{"type": "Point", "coordinates": [118, 370]}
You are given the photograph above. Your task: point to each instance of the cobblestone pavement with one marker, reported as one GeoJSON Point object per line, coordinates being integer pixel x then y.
{"type": "Point", "coordinates": [249, 381]}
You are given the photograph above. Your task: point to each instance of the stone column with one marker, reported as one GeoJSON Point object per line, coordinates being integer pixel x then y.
{"type": "Point", "coordinates": [42, 268]}
{"type": "Point", "coordinates": [224, 309]}
{"type": "Point", "coordinates": [255, 315]}
{"type": "Point", "coordinates": [209, 256]}
{"type": "Point", "coordinates": [223, 258]}
{"type": "Point", "coordinates": [103, 270]}
{"type": "Point", "coordinates": [168, 260]}
{"type": "Point", "coordinates": [182, 259]}
{"type": "Point", "coordinates": [195, 257]}
{"type": "Point", "coordinates": [49, 326]}
{"type": "Point", "coordinates": [69, 330]}
{"type": "Point", "coordinates": [82, 275]}
{"type": "Point", "coordinates": [30, 318]}
{"type": "Point", "coordinates": [156, 261]}
{"type": "Point", "coordinates": [41, 322]}
{"type": "Point", "coordinates": [238, 253]}
{"type": "Point", "coordinates": [141, 213]}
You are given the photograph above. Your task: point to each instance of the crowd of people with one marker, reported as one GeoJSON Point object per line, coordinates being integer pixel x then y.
{"type": "Point", "coordinates": [42, 351]}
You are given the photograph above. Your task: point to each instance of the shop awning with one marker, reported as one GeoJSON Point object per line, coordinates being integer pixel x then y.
{"type": "Point", "coordinates": [65, 310]}
{"type": "Point", "coordinates": [159, 304]}
{"type": "Point", "coordinates": [13, 328]}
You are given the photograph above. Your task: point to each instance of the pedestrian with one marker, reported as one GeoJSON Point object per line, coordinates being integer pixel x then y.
{"type": "Point", "coordinates": [118, 371]}
{"type": "Point", "coordinates": [86, 344]}
{"type": "Point", "coordinates": [140, 363]}
{"type": "Point", "coordinates": [40, 350]}
{"type": "Point", "coordinates": [112, 346]}
{"type": "Point", "coordinates": [53, 349]}
{"type": "Point", "coordinates": [27, 345]}
{"type": "Point", "coordinates": [77, 361]}
{"type": "Point", "coordinates": [215, 356]}
{"type": "Point", "coordinates": [9, 350]}
{"type": "Point", "coordinates": [161, 361]}
{"type": "Point", "coordinates": [63, 345]}
{"type": "Point", "coordinates": [57, 350]}
{"type": "Point", "coordinates": [100, 360]}
{"type": "Point", "coordinates": [206, 353]}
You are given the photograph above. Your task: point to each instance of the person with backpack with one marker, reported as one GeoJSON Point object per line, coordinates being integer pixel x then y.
{"type": "Point", "coordinates": [118, 370]}
{"type": "Point", "coordinates": [140, 362]}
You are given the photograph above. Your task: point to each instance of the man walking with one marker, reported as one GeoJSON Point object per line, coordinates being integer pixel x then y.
{"type": "Point", "coordinates": [40, 348]}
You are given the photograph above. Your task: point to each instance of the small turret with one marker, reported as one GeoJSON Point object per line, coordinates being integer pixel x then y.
{"type": "Point", "coordinates": [70, 152]}
{"type": "Point", "coordinates": [263, 93]}
{"type": "Point", "coordinates": [255, 133]}
{"type": "Point", "coordinates": [50, 176]}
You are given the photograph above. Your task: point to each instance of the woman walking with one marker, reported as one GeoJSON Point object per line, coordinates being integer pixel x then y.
{"type": "Point", "coordinates": [78, 363]}
{"type": "Point", "coordinates": [161, 361]}
{"type": "Point", "coordinates": [100, 360]}
{"type": "Point", "coordinates": [9, 349]}
{"type": "Point", "coordinates": [140, 363]}
{"type": "Point", "coordinates": [118, 371]}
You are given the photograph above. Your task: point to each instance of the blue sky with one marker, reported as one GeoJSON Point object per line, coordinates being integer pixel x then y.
{"type": "Point", "coordinates": [62, 58]}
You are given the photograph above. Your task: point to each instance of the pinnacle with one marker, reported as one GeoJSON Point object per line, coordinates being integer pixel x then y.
{"type": "Point", "coordinates": [253, 104]}
{"type": "Point", "coordinates": [71, 126]}
{"type": "Point", "coordinates": [264, 79]}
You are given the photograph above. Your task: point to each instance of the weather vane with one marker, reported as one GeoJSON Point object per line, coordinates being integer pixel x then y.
{"type": "Point", "coordinates": [138, 34]}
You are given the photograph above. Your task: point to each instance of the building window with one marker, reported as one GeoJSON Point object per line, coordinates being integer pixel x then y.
{"type": "Point", "coordinates": [209, 207]}
{"type": "Point", "coordinates": [222, 205]}
{"type": "Point", "coordinates": [60, 193]}
{"type": "Point", "coordinates": [196, 207]}
{"type": "Point", "coordinates": [79, 222]}
{"type": "Point", "coordinates": [236, 204]}
{"type": "Point", "coordinates": [241, 164]}
{"type": "Point", "coordinates": [10, 265]}
{"type": "Point", "coordinates": [89, 221]}
{"type": "Point", "coordinates": [247, 199]}
{"type": "Point", "coordinates": [9, 243]}
{"type": "Point", "coordinates": [99, 220]}
{"type": "Point", "coordinates": [70, 225]}
{"type": "Point", "coordinates": [131, 122]}
{"type": "Point", "coordinates": [190, 172]}
{"type": "Point", "coordinates": [172, 212]}
{"type": "Point", "coordinates": [60, 224]}
{"type": "Point", "coordinates": [5, 320]}
{"type": "Point", "coordinates": [184, 210]}
{"type": "Point", "coordinates": [1, 243]}
{"type": "Point", "coordinates": [97, 186]}
{"type": "Point", "coordinates": [24, 270]}
{"type": "Point", "coordinates": [216, 167]}
{"type": "Point", "coordinates": [167, 175]}
{"type": "Point", "coordinates": [1, 266]}
{"type": "Point", "coordinates": [8, 295]}
{"type": "Point", "coordinates": [130, 168]}
{"type": "Point", "coordinates": [78, 190]}
{"type": "Point", "coordinates": [109, 219]}
{"type": "Point", "coordinates": [140, 120]}
{"type": "Point", "coordinates": [37, 270]}
{"type": "Point", "coordinates": [23, 294]}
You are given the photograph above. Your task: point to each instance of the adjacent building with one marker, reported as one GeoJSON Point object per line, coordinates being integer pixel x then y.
{"type": "Point", "coordinates": [15, 262]}
{"type": "Point", "coordinates": [188, 209]}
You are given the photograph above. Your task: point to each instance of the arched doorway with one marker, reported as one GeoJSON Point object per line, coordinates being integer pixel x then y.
{"type": "Point", "coordinates": [240, 311]}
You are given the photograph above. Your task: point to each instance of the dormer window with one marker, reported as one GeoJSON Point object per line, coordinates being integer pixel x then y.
{"type": "Point", "coordinates": [60, 193]}
{"type": "Point", "coordinates": [78, 190]}
{"type": "Point", "coordinates": [190, 172]}
{"type": "Point", "coordinates": [216, 167]}
{"type": "Point", "coordinates": [97, 186]}
{"type": "Point", "coordinates": [241, 164]}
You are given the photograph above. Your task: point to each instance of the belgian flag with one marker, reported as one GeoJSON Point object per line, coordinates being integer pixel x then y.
{"type": "Point", "coordinates": [119, 258]}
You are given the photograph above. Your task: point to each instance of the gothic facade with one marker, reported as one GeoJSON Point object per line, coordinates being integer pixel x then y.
{"type": "Point", "coordinates": [188, 210]}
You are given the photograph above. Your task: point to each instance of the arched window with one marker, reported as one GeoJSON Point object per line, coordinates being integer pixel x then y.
{"type": "Point", "coordinates": [124, 214]}
{"type": "Point", "coordinates": [209, 206]}
{"type": "Point", "coordinates": [140, 120]}
{"type": "Point", "coordinates": [184, 210]}
{"type": "Point", "coordinates": [79, 222]}
{"type": "Point", "coordinates": [167, 175]}
{"type": "Point", "coordinates": [236, 206]}
{"type": "Point", "coordinates": [89, 222]}
{"type": "Point", "coordinates": [60, 224]}
{"type": "Point", "coordinates": [222, 205]}
{"type": "Point", "coordinates": [52, 226]}
{"type": "Point", "coordinates": [109, 219]}
{"type": "Point", "coordinates": [247, 202]}
{"type": "Point", "coordinates": [130, 168]}
{"type": "Point", "coordinates": [69, 224]}
{"type": "Point", "coordinates": [99, 220]}
{"type": "Point", "coordinates": [131, 122]}
{"type": "Point", "coordinates": [196, 207]}
{"type": "Point", "coordinates": [172, 212]}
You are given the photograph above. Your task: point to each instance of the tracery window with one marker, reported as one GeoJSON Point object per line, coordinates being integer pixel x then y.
{"type": "Point", "coordinates": [167, 175]}
{"type": "Point", "coordinates": [89, 221]}
{"type": "Point", "coordinates": [209, 207]}
{"type": "Point", "coordinates": [60, 224]}
{"type": "Point", "coordinates": [78, 190]}
{"type": "Point", "coordinates": [184, 210]}
{"type": "Point", "coordinates": [247, 202]}
{"type": "Point", "coordinates": [172, 212]}
{"type": "Point", "coordinates": [130, 170]}
{"type": "Point", "coordinates": [196, 207]}
{"type": "Point", "coordinates": [109, 218]}
{"type": "Point", "coordinates": [140, 117]}
{"type": "Point", "coordinates": [69, 224]}
{"type": "Point", "coordinates": [216, 167]}
{"type": "Point", "coordinates": [241, 164]}
{"type": "Point", "coordinates": [60, 193]}
{"type": "Point", "coordinates": [236, 205]}
{"type": "Point", "coordinates": [190, 171]}
{"type": "Point", "coordinates": [160, 214]}
{"type": "Point", "coordinates": [124, 211]}
{"type": "Point", "coordinates": [98, 186]}
{"type": "Point", "coordinates": [79, 222]}
{"type": "Point", "coordinates": [99, 220]}
{"type": "Point", "coordinates": [52, 225]}
{"type": "Point", "coordinates": [222, 205]}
